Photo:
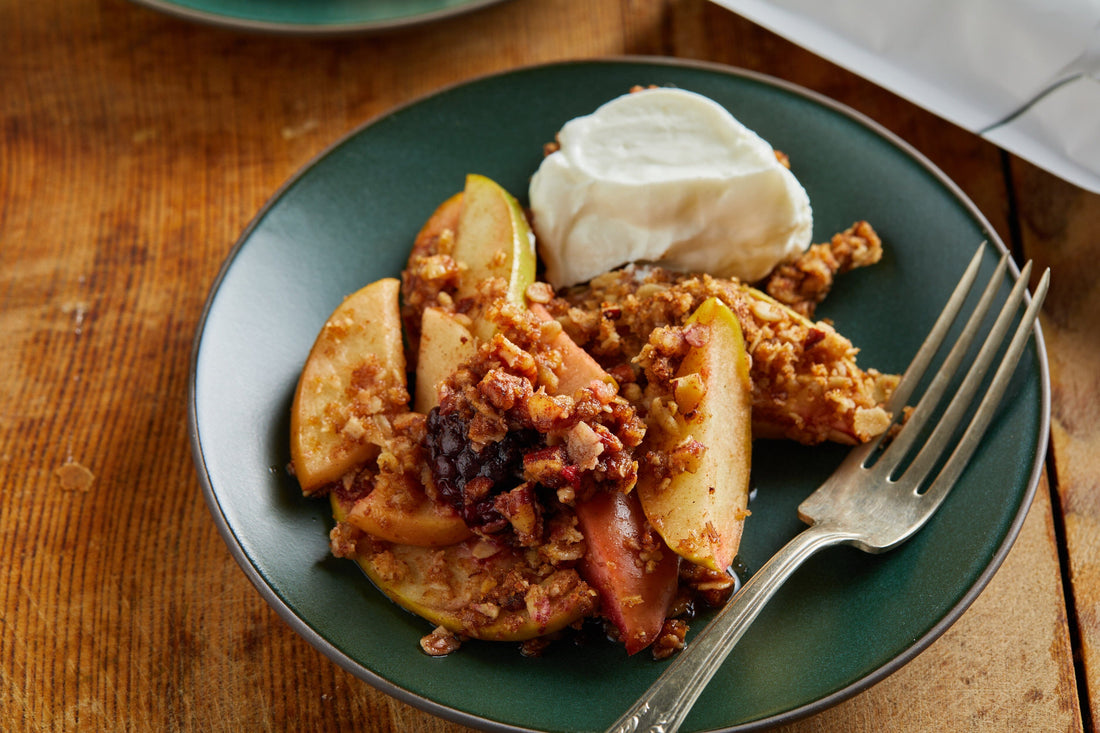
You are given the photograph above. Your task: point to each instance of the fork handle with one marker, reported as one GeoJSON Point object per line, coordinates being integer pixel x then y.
{"type": "Point", "coordinates": [663, 707]}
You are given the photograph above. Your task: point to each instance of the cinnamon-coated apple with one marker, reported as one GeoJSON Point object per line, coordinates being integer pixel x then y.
{"type": "Point", "coordinates": [624, 560]}
{"type": "Point", "coordinates": [578, 369]}
{"type": "Point", "coordinates": [493, 240]}
{"type": "Point", "coordinates": [355, 370]}
{"type": "Point", "coordinates": [445, 343]}
{"type": "Point", "coordinates": [700, 512]}
{"type": "Point", "coordinates": [398, 510]}
{"type": "Point", "coordinates": [635, 574]}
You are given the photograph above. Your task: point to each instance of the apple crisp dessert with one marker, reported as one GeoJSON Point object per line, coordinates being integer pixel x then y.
{"type": "Point", "coordinates": [568, 457]}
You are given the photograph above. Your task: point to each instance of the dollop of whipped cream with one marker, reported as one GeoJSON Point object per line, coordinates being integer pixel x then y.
{"type": "Point", "coordinates": [665, 176]}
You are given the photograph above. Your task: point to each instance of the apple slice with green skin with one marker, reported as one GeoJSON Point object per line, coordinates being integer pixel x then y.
{"type": "Point", "coordinates": [359, 346]}
{"type": "Point", "coordinates": [700, 513]}
{"type": "Point", "coordinates": [636, 585]}
{"type": "Point", "coordinates": [444, 345]}
{"type": "Point", "coordinates": [398, 510]}
{"type": "Point", "coordinates": [442, 586]}
{"type": "Point", "coordinates": [493, 240]}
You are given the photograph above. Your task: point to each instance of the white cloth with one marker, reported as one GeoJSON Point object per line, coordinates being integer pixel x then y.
{"type": "Point", "coordinates": [1024, 74]}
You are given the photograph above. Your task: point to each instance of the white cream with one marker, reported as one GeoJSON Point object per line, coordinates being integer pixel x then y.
{"type": "Point", "coordinates": [666, 176]}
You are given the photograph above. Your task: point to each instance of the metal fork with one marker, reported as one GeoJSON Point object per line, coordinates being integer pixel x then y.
{"type": "Point", "coordinates": [881, 494]}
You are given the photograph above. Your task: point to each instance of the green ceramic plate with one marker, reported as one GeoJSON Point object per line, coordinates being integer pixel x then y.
{"type": "Point", "coordinates": [843, 622]}
{"type": "Point", "coordinates": [315, 16]}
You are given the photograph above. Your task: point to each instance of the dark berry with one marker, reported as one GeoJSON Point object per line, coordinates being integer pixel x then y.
{"type": "Point", "coordinates": [455, 463]}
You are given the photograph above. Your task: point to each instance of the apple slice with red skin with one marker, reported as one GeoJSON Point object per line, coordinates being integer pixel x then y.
{"type": "Point", "coordinates": [636, 585]}
{"type": "Point", "coordinates": [626, 561]}
{"type": "Point", "coordinates": [578, 368]}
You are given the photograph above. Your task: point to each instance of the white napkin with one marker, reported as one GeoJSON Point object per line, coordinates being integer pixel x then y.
{"type": "Point", "coordinates": [1024, 74]}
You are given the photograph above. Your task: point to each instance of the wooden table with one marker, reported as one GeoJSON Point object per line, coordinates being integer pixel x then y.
{"type": "Point", "coordinates": [135, 149]}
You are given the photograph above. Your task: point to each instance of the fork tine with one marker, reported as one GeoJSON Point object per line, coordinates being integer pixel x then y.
{"type": "Point", "coordinates": [931, 345]}
{"type": "Point", "coordinates": [964, 395]}
{"type": "Point", "coordinates": [932, 396]}
{"type": "Point", "coordinates": [964, 449]}
{"type": "Point", "coordinates": [919, 364]}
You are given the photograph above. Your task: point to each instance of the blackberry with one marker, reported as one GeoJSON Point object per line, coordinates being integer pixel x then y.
{"type": "Point", "coordinates": [455, 465]}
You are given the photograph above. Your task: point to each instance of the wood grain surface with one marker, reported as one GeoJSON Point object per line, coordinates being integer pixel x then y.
{"type": "Point", "coordinates": [136, 147]}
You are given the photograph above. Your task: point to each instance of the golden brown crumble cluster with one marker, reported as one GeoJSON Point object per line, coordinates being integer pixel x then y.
{"type": "Point", "coordinates": [806, 383]}
{"type": "Point", "coordinates": [512, 385]}
{"type": "Point", "coordinates": [805, 282]}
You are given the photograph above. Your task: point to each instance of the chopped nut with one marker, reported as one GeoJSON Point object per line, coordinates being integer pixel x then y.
{"type": "Point", "coordinates": [440, 642]}
{"type": "Point", "coordinates": [539, 292]}
{"type": "Point", "coordinates": [583, 446]}
{"type": "Point", "coordinates": [671, 639]}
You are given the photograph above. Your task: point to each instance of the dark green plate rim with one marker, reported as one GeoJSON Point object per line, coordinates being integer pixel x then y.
{"type": "Point", "coordinates": [314, 17]}
{"type": "Point", "coordinates": [843, 622]}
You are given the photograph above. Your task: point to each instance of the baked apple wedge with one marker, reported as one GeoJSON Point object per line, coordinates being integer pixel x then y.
{"type": "Point", "coordinates": [624, 560]}
{"type": "Point", "coordinates": [445, 343]}
{"type": "Point", "coordinates": [398, 510]}
{"type": "Point", "coordinates": [354, 373]}
{"type": "Point", "coordinates": [493, 240]}
{"type": "Point", "coordinates": [475, 250]}
{"type": "Point", "coordinates": [633, 571]}
{"type": "Point", "coordinates": [697, 497]}
{"type": "Point", "coordinates": [578, 369]}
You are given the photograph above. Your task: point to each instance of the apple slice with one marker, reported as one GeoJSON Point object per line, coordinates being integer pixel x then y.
{"type": "Point", "coordinates": [445, 586]}
{"type": "Point", "coordinates": [425, 276]}
{"type": "Point", "coordinates": [636, 584]}
{"type": "Point", "coordinates": [355, 370]}
{"type": "Point", "coordinates": [398, 510]}
{"type": "Point", "coordinates": [443, 219]}
{"type": "Point", "coordinates": [700, 513]}
{"type": "Point", "coordinates": [578, 368]}
{"type": "Point", "coordinates": [493, 240]}
{"type": "Point", "coordinates": [444, 344]}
